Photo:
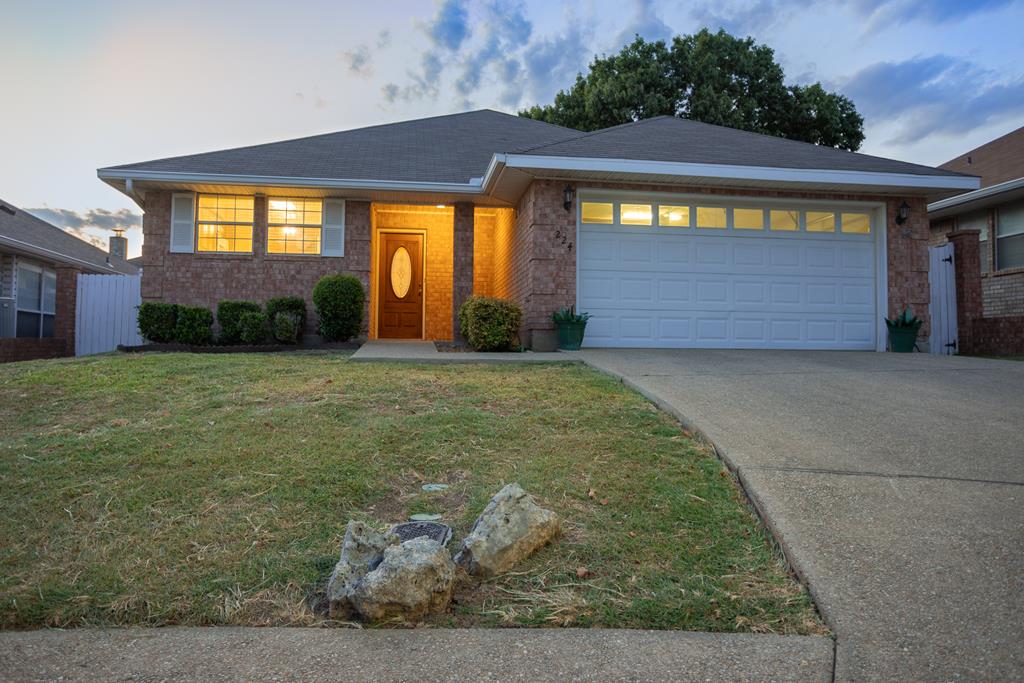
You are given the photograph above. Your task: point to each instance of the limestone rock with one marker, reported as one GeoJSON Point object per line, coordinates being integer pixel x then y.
{"type": "Point", "coordinates": [415, 578]}
{"type": "Point", "coordinates": [510, 528]}
{"type": "Point", "coordinates": [361, 551]}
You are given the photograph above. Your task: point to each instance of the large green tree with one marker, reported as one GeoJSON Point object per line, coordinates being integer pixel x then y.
{"type": "Point", "coordinates": [710, 77]}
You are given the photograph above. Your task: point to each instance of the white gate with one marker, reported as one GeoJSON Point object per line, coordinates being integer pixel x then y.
{"type": "Point", "coordinates": [106, 312]}
{"type": "Point", "coordinates": [942, 282]}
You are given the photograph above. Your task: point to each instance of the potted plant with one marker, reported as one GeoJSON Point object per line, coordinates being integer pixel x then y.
{"type": "Point", "coordinates": [571, 326]}
{"type": "Point", "coordinates": [903, 331]}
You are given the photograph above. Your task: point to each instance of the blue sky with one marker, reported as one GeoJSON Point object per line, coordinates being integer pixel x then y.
{"type": "Point", "coordinates": [90, 84]}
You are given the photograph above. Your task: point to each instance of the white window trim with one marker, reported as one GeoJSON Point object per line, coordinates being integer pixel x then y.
{"type": "Point", "coordinates": [196, 222]}
{"type": "Point", "coordinates": [270, 225]}
{"type": "Point", "coordinates": [41, 311]}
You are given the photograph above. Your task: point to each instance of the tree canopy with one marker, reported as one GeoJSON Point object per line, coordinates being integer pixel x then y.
{"type": "Point", "coordinates": [710, 77]}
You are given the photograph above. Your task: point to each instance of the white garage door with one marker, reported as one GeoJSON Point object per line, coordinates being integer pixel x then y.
{"type": "Point", "coordinates": [702, 273]}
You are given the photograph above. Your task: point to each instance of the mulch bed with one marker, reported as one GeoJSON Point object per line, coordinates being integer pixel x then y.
{"type": "Point", "coordinates": [240, 348]}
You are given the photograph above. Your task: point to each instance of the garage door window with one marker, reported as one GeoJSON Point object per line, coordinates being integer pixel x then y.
{"type": "Point", "coordinates": [785, 221]}
{"type": "Point", "coordinates": [710, 217]}
{"type": "Point", "coordinates": [673, 216]}
{"type": "Point", "coordinates": [597, 212]}
{"type": "Point", "coordinates": [635, 214]}
{"type": "Point", "coordinates": [821, 221]}
{"type": "Point", "coordinates": [856, 223]}
{"type": "Point", "coordinates": [748, 219]}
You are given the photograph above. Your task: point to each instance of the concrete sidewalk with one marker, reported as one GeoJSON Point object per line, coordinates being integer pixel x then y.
{"type": "Point", "coordinates": [893, 482]}
{"type": "Point", "coordinates": [312, 655]}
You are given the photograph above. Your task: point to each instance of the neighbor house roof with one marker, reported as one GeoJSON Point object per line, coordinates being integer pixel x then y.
{"type": "Point", "coordinates": [986, 197]}
{"type": "Point", "coordinates": [22, 232]}
{"type": "Point", "coordinates": [489, 154]}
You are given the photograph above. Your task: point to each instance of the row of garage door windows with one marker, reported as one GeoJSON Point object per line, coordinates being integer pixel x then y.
{"type": "Point", "coordinates": [716, 217]}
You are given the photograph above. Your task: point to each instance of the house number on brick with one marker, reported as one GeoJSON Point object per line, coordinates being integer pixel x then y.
{"type": "Point", "coordinates": [562, 238]}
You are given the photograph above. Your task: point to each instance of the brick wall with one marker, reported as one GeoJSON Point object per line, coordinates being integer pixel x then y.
{"type": "Point", "coordinates": [64, 315]}
{"type": "Point", "coordinates": [978, 332]}
{"type": "Point", "coordinates": [996, 162]}
{"type": "Point", "coordinates": [462, 261]}
{"type": "Point", "coordinates": [484, 222]}
{"type": "Point", "coordinates": [19, 349]}
{"type": "Point", "coordinates": [547, 267]}
{"type": "Point", "coordinates": [204, 279]}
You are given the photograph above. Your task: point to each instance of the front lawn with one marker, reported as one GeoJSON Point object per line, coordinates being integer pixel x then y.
{"type": "Point", "coordinates": [214, 489]}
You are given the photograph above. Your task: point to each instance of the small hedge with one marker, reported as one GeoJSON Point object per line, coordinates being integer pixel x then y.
{"type": "Point", "coordinates": [229, 317]}
{"type": "Point", "coordinates": [194, 325]}
{"type": "Point", "coordinates": [339, 300]}
{"type": "Point", "coordinates": [290, 325]}
{"type": "Point", "coordinates": [490, 324]}
{"type": "Point", "coordinates": [253, 327]}
{"type": "Point", "coordinates": [157, 321]}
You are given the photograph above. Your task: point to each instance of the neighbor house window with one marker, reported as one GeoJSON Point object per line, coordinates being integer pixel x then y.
{"type": "Point", "coordinates": [821, 221]}
{"type": "Point", "coordinates": [977, 221]}
{"type": "Point", "coordinates": [293, 226]}
{"type": "Point", "coordinates": [855, 223]}
{"type": "Point", "coordinates": [1010, 236]}
{"type": "Point", "coordinates": [748, 219]}
{"type": "Point", "coordinates": [635, 214]}
{"type": "Point", "coordinates": [37, 300]}
{"type": "Point", "coordinates": [224, 223]}
{"type": "Point", "coordinates": [674, 216]}
{"type": "Point", "coordinates": [597, 212]}
{"type": "Point", "coordinates": [784, 221]}
{"type": "Point", "coordinates": [710, 217]}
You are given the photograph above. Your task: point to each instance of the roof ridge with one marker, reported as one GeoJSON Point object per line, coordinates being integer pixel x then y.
{"type": "Point", "coordinates": [592, 133]}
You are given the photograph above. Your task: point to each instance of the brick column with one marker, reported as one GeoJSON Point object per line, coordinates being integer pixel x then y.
{"type": "Point", "coordinates": [64, 313]}
{"type": "Point", "coordinates": [967, 266]}
{"type": "Point", "coordinates": [462, 263]}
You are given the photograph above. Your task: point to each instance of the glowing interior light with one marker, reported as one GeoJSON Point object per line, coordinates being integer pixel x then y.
{"type": "Point", "coordinates": [440, 206]}
{"type": "Point", "coordinates": [289, 231]}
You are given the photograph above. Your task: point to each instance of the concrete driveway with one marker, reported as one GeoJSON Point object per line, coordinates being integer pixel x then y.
{"type": "Point", "coordinates": [895, 484]}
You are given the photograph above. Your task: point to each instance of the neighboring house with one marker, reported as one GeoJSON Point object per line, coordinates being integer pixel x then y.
{"type": "Point", "coordinates": [671, 233]}
{"type": "Point", "coordinates": [39, 265]}
{"type": "Point", "coordinates": [997, 211]}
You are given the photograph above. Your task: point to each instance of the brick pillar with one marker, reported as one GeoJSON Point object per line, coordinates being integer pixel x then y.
{"type": "Point", "coordinates": [462, 263]}
{"type": "Point", "coordinates": [64, 313]}
{"type": "Point", "coordinates": [967, 266]}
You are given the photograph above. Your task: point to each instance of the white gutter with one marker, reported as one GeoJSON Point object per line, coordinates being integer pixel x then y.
{"type": "Point", "coordinates": [53, 255]}
{"type": "Point", "coordinates": [983, 193]}
{"type": "Point", "coordinates": [731, 172]}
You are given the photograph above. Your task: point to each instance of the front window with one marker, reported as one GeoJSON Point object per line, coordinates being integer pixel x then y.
{"type": "Point", "coordinates": [224, 223]}
{"type": "Point", "coordinates": [37, 300]}
{"type": "Point", "coordinates": [293, 226]}
{"type": "Point", "coordinates": [1010, 236]}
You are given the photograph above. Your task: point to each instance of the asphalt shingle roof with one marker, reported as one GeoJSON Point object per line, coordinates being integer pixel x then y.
{"type": "Point", "coordinates": [669, 138]}
{"type": "Point", "coordinates": [28, 229]}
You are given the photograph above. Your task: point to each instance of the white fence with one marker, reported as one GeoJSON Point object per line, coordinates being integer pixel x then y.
{"type": "Point", "coordinates": [106, 312]}
{"type": "Point", "coordinates": [942, 282]}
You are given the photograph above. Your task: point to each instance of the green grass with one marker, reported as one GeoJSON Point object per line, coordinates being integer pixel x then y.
{"type": "Point", "coordinates": [214, 489]}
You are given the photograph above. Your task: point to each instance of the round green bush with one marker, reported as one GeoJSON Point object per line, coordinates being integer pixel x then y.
{"type": "Point", "coordinates": [339, 300]}
{"type": "Point", "coordinates": [287, 327]}
{"type": "Point", "coordinates": [157, 320]}
{"type": "Point", "coordinates": [229, 317]}
{"type": "Point", "coordinates": [253, 327]}
{"type": "Point", "coordinates": [490, 324]}
{"type": "Point", "coordinates": [194, 325]}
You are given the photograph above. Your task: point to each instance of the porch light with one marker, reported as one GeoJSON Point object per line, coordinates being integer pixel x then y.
{"type": "Point", "coordinates": [567, 194]}
{"type": "Point", "coordinates": [902, 213]}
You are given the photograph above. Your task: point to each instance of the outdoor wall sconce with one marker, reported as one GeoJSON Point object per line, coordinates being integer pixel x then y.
{"type": "Point", "coordinates": [567, 194]}
{"type": "Point", "coordinates": [902, 213]}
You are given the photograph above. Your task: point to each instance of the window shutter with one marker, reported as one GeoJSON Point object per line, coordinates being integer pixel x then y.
{"type": "Point", "coordinates": [332, 240]}
{"type": "Point", "coordinates": [183, 222]}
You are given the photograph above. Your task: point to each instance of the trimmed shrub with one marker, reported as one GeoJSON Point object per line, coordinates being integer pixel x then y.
{"type": "Point", "coordinates": [339, 300]}
{"type": "Point", "coordinates": [194, 325]}
{"type": "Point", "coordinates": [287, 327]}
{"type": "Point", "coordinates": [253, 327]}
{"type": "Point", "coordinates": [157, 321]}
{"type": "Point", "coordinates": [229, 317]}
{"type": "Point", "coordinates": [490, 324]}
{"type": "Point", "coordinates": [295, 307]}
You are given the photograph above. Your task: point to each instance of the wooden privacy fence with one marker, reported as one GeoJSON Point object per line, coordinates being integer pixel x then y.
{"type": "Point", "coordinates": [942, 282]}
{"type": "Point", "coordinates": [106, 312]}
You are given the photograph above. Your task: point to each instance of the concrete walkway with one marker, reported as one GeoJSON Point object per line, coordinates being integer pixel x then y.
{"type": "Point", "coordinates": [895, 484]}
{"type": "Point", "coordinates": [415, 351]}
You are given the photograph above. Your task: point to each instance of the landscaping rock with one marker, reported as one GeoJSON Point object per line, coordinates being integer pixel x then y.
{"type": "Point", "coordinates": [510, 528]}
{"type": "Point", "coordinates": [361, 551]}
{"type": "Point", "coordinates": [415, 578]}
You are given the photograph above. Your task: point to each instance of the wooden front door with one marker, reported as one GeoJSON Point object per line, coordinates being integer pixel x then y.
{"type": "Point", "coordinates": [400, 286]}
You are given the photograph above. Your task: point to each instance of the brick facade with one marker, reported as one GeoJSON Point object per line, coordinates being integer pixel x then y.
{"type": "Point", "coordinates": [203, 279]}
{"type": "Point", "coordinates": [462, 261]}
{"type": "Point", "coordinates": [62, 343]}
{"type": "Point", "coordinates": [978, 332]}
{"type": "Point", "coordinates": [19, 349]}
{"type": "Point", "coordinates": [996, 161]}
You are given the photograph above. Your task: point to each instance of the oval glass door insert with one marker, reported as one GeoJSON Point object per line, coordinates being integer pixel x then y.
{"type": "Point", "coordinates": [401, 272]}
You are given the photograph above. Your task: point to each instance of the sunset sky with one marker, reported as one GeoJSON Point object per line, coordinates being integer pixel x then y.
{"type": "Point", "coordinates": [91, 84]}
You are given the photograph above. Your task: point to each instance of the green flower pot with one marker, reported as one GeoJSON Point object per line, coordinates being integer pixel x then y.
{"type": "Point", "coordinates": [902, 339]}
{"type": "Point", "coordinates": [570, 335]}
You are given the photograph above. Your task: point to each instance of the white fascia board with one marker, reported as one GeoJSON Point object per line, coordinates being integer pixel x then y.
{"type": "Point", "coordinates": [983, 193]}
{"type": "Point", "coordinates": [287, 181]}
{"type": "Point", "coordinates": [763, 173]}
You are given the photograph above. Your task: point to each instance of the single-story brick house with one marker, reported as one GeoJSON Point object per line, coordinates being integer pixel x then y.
{"type": "Point", "coordinates": [671, 233]}
{"type": "Point", "coordinates": [39, 267]}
